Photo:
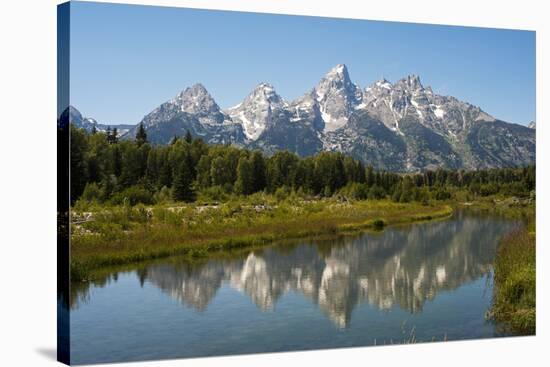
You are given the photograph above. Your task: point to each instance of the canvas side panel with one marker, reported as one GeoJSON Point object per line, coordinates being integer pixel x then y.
{"type": "Point", "coordinates": [63, 183]}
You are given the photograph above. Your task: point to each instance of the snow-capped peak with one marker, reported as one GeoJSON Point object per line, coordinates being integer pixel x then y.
{"type": "Point", "coordinates": [383, 83]}
{"type": "Point", "coordinates": [337, 97]}
{"type": "Point", "coordinates": [255, 111]}
{"type": "Point", "coordinates": [196, 100]}
{"type": "Point", "coordinates": [410, 82]}
{"type": "Point", "coordinates": [340, 71]}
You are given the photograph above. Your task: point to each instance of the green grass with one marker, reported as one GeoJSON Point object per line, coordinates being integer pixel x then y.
{"type": "Point", "coordinates": [515, 282]}
{"type": "Point", "coordinates": [120, 235]}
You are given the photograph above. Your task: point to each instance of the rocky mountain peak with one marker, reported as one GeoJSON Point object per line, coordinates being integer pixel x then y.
{"type": "Point", "coordinates": [197, 100]}
{"type": "Point", "coordinates": [337, 97]}
{"type": "Point", "coordinates": [410, 82]}
{"type": "Point", "coordinates": [339, 71]}
{"type": "Point", "coordinates": [265, 92]}
{"type": "Point", "coordinates": [336, 78]}
{"type": "Point", "coordinates": [400, 126]}
{"type": "Point", "coordinates": [255, 112]}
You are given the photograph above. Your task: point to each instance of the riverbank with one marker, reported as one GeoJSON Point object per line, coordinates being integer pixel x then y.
{"type": "Point", "coordinates": [515, 282]}
{"type": "Point", "coordinates": [514, 297]}
{"type": "Point", "coordinates": [121, 235]}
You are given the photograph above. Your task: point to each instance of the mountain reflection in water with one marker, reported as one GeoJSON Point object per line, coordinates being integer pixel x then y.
{"type": "Point", "coordinates": [399, 267]}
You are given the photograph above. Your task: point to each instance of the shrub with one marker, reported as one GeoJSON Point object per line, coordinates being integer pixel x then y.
{"type": "Point", "coordinates": [515, 189]}
{"type": "Point", "coordinates": [376, 193]}
{"type": "Point", "coordinates": [282, 193]}
{"type": "Point", "coordinates": [91, 192]}
{"type": "Point", "coordinates": [378, 224]}
{"type": "Point", "coordinates": [396, 196]}
{"type": "Point", "coordinates": [356, 191]}
{"type": "Point", "coordinates": [213, 193]}
{"type": "Point", "coordinates": [132, 196]}
{"type": "Point", "coordinates": [441, 194]}
{"type": "Point", "coordinates": [162, 196]}
{"type": "Point", "coordinates": [488, 189]}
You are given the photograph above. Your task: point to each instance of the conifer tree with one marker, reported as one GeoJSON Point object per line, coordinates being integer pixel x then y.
{"type": "Point", "coordinates": [258, 171]}
{"type": "Point", "coordinates": [188, 137]}
{"type": "Point", "coordinates": [182, 189]}
{"type": "Point", "coordinates": [108, 134]}
{"type": "Point", "coordinates": [114, 136]}
{"type": "Point", "coordinates": [141, 135]}
{"type": "Point", "coordinates": [174, 140]}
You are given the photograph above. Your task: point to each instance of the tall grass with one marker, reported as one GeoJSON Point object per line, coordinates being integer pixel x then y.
{"type": "Point", "coordinates": [515, 282]}
{"type": "Point", "coordinates": [122, 234]}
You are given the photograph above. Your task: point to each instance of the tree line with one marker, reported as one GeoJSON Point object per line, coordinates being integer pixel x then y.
{"type": "Point", "coordinates": [108, 170]}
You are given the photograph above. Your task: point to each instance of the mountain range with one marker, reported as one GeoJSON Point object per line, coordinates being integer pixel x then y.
{"type": "Point", "coordinates": [402, 126]}
{"type": "Point", "coordinates": [75, 117]}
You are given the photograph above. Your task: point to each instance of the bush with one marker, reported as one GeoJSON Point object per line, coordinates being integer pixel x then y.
{"type": "Point", "coordinates": [515, 189]}
{"type": "Point", "coordinates": [356, 191]}
{"type": "Point", "coordinates": [213, 193]}
{"type": "Point", "coordinates": [396, 196]}
{"type": "Point", "coordinates": [162, 196]}
{"type": "Point", "coordinates": [488, 189]}
{"type": "Point", "coordinates": [441, 194]}
{"type": "Point", "coordinates": [378, 224]}
{"type": "Point", "coordinates": [376, 193]}
{"type": "Point", "coordinates": [282, 193]}
{"type": "Point", "coordinates": [132, 196]}
{"type": "Point", "coordinates": [421, 195]}
{"type": "Point", "coordinates": [91, 192]}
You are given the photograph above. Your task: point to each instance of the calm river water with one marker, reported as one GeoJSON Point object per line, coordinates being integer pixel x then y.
{"type": "Point", "coordinates": [429, 281]}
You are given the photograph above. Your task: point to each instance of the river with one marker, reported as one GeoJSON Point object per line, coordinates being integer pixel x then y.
{"type": "Point", "coordinates": [422, 282]}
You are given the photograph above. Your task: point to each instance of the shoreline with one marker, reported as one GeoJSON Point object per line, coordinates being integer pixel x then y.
{"type": "Point", "coordinates": [141, 243]}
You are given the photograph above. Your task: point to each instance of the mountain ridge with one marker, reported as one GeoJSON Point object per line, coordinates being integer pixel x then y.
{"type": "Point", "coordinates": [403, 121]}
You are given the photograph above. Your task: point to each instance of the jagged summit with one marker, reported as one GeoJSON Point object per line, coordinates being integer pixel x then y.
{"type": "Point", "coordinates": [197, 100]}
{"type": "Point", "coordinates": [338, 71]}
{"type": "Point", "coordinates": [266, 91]}
{"type": "Point", "coordinates": [401, 126]}
{"type": "Point", "coordinates": [337, 97]}
{"type": "Point", "coordinates": [337, 77]}
{"type": "Point", "coordinates": [410, 82]}
{"type": "Point", "coordinates": [254, 113]}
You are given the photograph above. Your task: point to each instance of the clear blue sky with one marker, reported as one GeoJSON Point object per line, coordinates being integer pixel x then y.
{"type": "Point", "coordinates": [128, 59]}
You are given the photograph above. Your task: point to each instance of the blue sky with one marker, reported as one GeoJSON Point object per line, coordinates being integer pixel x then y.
{"type": "Point", "coordinates": [127, 59]}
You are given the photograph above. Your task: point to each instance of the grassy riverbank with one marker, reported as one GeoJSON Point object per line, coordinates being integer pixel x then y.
{"type": "Point", "coordinates": [515, 282]}
{"type": "Point", "coordinates": [116, 235]}
{"type": "Point", "coordinates": [514, 298]}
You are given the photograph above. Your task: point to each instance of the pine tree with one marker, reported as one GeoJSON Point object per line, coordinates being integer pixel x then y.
{"type": "Point", "coordinates": [406, 190]}
{"type": "Point", "coordinates": [108, 134]}
{"type": "Point", "coordinates": [369, 179]}
{"type": "Point", "coordinates": [188, 137]}
{"type": "Point", "coordinates": [174, 140]}
{"type": "Point", "coordinates": [114, 136]}
{"type": "Point", "coordinates": [94, 130]}
{"type": "Point", "coordinates": [182, 189]}
{"type": "Point", "coordinates": [141, 135]}
{"type": "Point", "coordinates": [259, 170]}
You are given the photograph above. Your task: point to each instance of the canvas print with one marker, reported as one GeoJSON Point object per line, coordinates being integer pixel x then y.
{"type": "Point", "coordinates": [234, 183]}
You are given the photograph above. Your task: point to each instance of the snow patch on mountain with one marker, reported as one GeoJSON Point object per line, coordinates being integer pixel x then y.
{"type": "Point", "coordinates": [255, 112]}
{"type": "Point", "coordinates": [337, 97]}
